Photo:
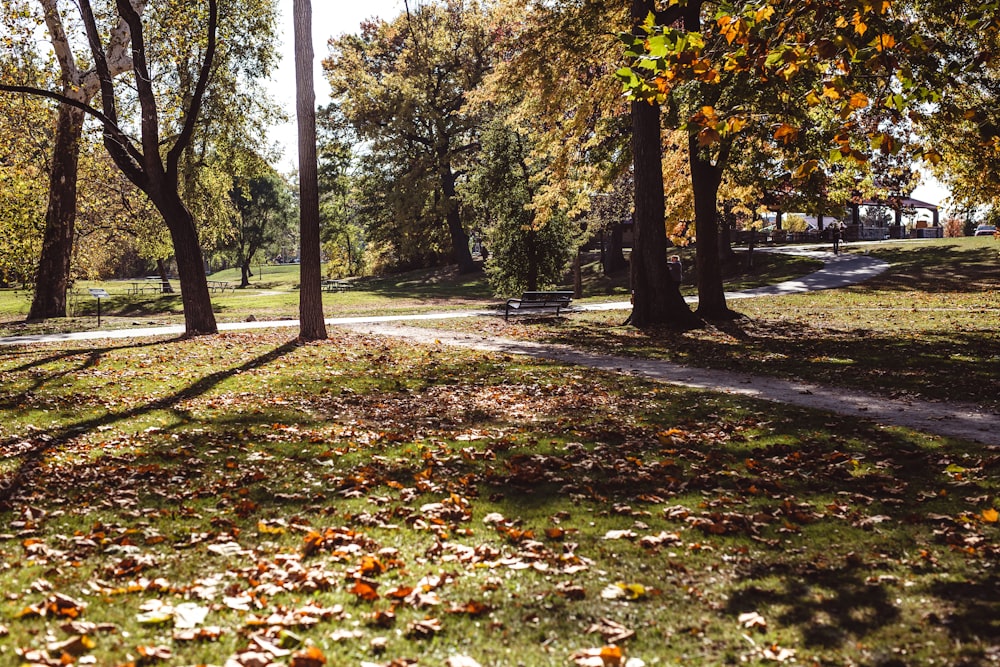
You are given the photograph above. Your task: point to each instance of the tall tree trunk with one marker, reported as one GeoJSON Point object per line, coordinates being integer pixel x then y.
{"type": "Point", "coordinates": [705, 180]}
{"type": "Point", "coordinates": [657, 298]}
{"type": "Point", "coordinates": [532, 250]}
{"type": "Point", "coordinates": [311, 323]}
{"type": "Point", "coordinates": [459, 237]}
{"type": "Point", "coordinates": [52, 278]}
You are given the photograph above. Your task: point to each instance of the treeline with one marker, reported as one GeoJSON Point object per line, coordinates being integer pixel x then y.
{"type": "Point", "coordinates": [522, 129]}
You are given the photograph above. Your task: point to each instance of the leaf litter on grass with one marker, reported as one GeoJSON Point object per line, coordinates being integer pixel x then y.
{"type": "Point", "coordinates": [444, 508]}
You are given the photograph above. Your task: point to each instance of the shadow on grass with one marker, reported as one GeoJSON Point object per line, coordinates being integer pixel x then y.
{"type": "Point", "coordinates": [42, 442]}
{"type": "Point", "coordinates": [829, 607]}
{"type": "Point", "coordinates": [954, 365]}
{"type": "Point", "coordinates": [938, 269]}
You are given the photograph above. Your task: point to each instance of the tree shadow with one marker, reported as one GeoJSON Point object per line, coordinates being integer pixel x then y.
{"type": "Point", "coordinates": [830, 607]}
{"type": "Point", "coordinates": [976, 605]}
{"type": "Point", "coordinates": [41, 442]}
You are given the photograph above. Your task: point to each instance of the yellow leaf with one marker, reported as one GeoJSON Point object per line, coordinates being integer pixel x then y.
{"type": "Point", "coordinates": [884, 42]}
{"type": "Point", "coordinates": [805, 169]}
{"type": "Point", "coordinates": [265, 528]}
{"type": "Point", "coordinates": [735, 124]}
{"type": "Point", "coordinates": [858, 101]}
{"type": "Point", "coordinates": [764, 13]}
{"type": "Point", "coordinates": [991, 515]}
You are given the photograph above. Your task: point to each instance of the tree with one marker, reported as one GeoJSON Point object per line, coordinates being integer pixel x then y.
{"type": "Point", "coordinates": [311, 323]}
{"type": "Point", "coordinates": [80, 85]}
{"type": "Point", "coordinates": [403, 85]}
{"type": "Point", "coordinates": [342, 233]}
{"type": "Point", "coordinates": [152, 165]}
{"type": "Point", "coordinates": [593, 134]}
{"type": "Point", "coordinates": [796, 77]}
{"type": "Point", "coordinates": [528, 248]}
{"type": "Point", "coordinates": [263, 211]}
{"type": "Point", "coordinates": [25, 143]}
{"type": "Point", "coordinates": [656, 297]}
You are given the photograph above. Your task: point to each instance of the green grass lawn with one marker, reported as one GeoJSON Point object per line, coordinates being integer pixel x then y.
{"type": "Point", "coordinates": [363, 501]}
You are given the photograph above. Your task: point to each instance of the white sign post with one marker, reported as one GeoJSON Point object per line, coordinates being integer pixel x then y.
{"type": "Point", "coordinates": [98, 294]}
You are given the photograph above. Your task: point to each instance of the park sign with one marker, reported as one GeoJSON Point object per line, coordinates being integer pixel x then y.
{"type": "Point", "coordinates": [98, 294]}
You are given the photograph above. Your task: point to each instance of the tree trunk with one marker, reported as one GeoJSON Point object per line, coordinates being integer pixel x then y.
{"type": "Point", "coordinates": [532, 249]}
{"type": "Point", "coordinates": [244, 274]}
{"type": "Point", "coordinates": [199, 318]}
{"type": "Point", "coordinates": [311, 323]}
{"type": "Point", "coordinates": [657, 298]}
{"type": "Point", "coordinates": [459, 237]}
{"type": "Point", "coordinates": [161, 269]}
{"type": "Point", "coordinates": [705, 181]}
{"type": "Point", "coordinates": [613, 259]}
{"type": "Point", "coordinates": [52, 278]}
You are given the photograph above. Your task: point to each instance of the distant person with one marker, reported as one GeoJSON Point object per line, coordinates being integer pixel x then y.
{"type": "Point", "coordinates": [836, 239]}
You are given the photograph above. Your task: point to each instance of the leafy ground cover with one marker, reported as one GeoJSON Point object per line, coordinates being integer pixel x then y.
{"type": "Point", "coordinates": [245, 500]}
{"type": "Point", "coordinates": [927, 327]}
{"type": "Point", "coordinates": [273, 295]}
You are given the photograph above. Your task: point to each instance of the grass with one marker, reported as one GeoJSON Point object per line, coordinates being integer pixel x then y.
{"type": "Point", "coordinates": [273, 294]}
{"type": "Point", "coordinates": [927, 327]}
{"type": "Point", "coordinates": [382, 502]}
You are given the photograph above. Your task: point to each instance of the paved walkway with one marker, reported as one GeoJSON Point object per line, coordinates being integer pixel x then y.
{"type": "Point", "coordinates": [957, 420]}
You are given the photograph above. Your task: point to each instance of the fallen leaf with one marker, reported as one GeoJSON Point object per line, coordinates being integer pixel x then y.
{"type": "Point", "coordinates": [309, 657]}
{"type": "Point", "coordinates": [752, 620]}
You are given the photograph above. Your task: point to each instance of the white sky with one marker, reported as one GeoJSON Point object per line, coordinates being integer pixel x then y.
{"type": "Point", "coordinates": [332, 18]}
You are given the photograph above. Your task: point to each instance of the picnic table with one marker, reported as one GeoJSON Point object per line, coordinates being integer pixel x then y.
{"type": "Point", "coordinates": [153, 284]}
{"type": "Point", "coordinates": [536, 301]}
{"type": "Point", "coordinates": [336, 285]}
{"type": "Point", "coordinates": [220, 286]}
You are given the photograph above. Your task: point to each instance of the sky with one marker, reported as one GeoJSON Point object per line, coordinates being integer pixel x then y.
{"type": "Point", "coordinates": [332, 18]}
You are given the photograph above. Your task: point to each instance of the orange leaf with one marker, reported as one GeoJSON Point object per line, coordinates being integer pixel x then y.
{"type": "Point", "coordinates": [364, 591]}
{"type": "Point", "coordinates": [991, 516]}
{"type": "Point", "coordinates": [309, 657]}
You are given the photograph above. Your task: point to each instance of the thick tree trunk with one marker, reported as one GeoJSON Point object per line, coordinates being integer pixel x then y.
{"type": "Point", "coordinates": [459, 237]}
{"type": "Point", "coordinates": [245, 273]}
{"type": "Point", "coordinates": [657, 298]}
{"type": "Point", "coordinates": [705, 180]}
{"type": "Point", "coordinates": [199, 318]}
{"type": "Point", "coordinates": [52, 278]}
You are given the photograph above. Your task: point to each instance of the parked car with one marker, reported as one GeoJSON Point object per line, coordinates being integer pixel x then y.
{"type": "Point", "coordinates": [985, 230]}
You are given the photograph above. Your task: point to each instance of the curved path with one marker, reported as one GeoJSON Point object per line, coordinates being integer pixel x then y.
{"type": "Point", "coordinates": [956, 420]}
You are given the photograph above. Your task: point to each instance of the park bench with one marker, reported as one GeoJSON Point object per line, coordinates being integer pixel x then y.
{"type": "Point", "coordinates": [336, 285]}
{"type": "Point", "coordinates": [538, 301]}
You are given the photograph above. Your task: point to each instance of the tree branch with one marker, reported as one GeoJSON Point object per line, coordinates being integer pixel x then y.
{"type": "Point", "coordinates": [184, 138]}
{"type": "Point", "coordinates": [110, 127]}
{"type": "Point", "coordinates": [122, 151]}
